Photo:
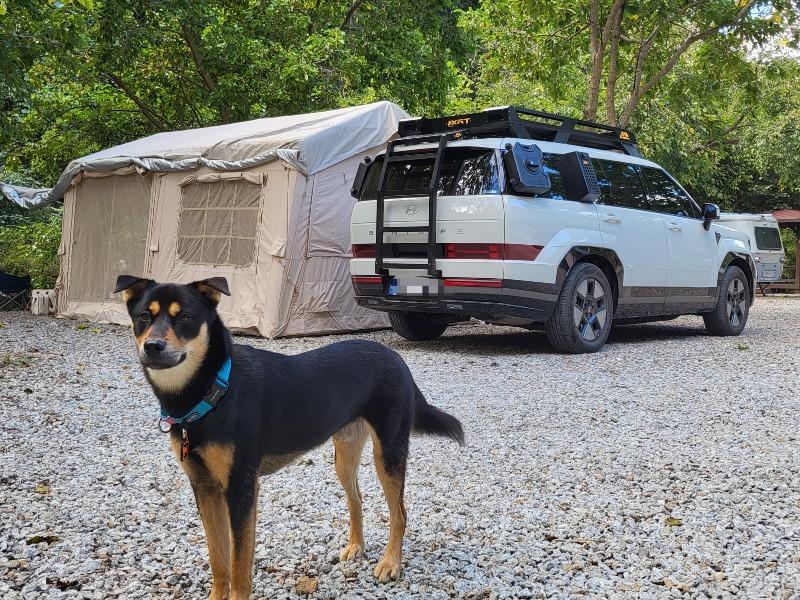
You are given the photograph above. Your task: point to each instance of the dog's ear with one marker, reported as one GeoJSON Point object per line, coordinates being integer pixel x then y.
{"type": "Point", "coordinates": [131, 286]}
{"type": "Point", "coordinates": [212, 288]}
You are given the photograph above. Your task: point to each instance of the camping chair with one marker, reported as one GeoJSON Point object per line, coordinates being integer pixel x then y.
{"type": "Point", "coordinates": [13, 291]}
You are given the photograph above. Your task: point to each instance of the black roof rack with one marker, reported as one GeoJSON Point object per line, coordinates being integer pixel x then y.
{"type": "Point", "coordinates": [520, 122]}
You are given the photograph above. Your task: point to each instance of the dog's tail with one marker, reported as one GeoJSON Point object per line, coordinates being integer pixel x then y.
{"type": "Point", "coordinates": [429, 419]}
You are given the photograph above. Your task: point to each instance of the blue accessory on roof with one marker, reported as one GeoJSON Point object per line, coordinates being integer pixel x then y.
{"type": "Point", "coordinates": [208, 403]}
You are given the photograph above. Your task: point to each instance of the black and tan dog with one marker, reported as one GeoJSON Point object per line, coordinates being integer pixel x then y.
{"type": "Point", "coordinates": [235, 413]}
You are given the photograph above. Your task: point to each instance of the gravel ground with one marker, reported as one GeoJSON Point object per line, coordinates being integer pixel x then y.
{"type": "Point", "coordinates": [667, 465]}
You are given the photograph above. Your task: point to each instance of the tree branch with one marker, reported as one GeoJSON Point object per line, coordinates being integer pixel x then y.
{"type": "Point", "coordinates": [641, 55]}
{"type": "Point", "coordinates": [350, 13]}
{"type": "Point", "coordinates": [675, 57]}
{"type": "Point", "coordinates": [193, 42]}
{"type": "Point", "coordinates": [737, 125]}
{"type": "Point", "coordinates": [148, 113]}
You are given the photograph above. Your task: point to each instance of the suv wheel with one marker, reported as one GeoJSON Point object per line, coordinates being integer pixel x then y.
{"type": "Point", "coordinates": [733, 303]}
{"type": "Point", "coordinates": [584, 311]}
{"type": "Point", "coordinates": [417, 327]}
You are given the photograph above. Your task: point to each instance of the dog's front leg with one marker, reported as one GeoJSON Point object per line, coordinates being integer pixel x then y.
{"type": "Point", "coordinates": [242, 495]}
{"type": "Point", "coordinates": [213, 508]}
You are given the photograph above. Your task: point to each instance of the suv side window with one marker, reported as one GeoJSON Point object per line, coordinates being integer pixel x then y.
{"type": "Point", "coordinates": [620, 185]}
{"type": "Point", "coordinates": [666, 196]}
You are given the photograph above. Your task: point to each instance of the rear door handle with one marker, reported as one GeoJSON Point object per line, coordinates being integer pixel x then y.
{"type": "Point", "coordinates": [674, 227]}
{"type": "Point", "coordinates": [612, 219]}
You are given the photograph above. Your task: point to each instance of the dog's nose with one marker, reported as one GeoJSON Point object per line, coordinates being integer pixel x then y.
{"type": "Point", "coordinates": [154, 347]}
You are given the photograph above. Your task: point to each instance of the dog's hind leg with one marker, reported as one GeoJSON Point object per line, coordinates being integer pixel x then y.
{"type": "Point", "coordinates": [214, 513]}
{"type": "Point", "coordinates": [348, 445]}
{"type": "Point", "coordinates": [390, 464]}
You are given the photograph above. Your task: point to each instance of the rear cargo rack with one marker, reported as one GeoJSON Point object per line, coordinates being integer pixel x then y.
{"type": "Point", "coordinates": [433, 251]}
{"type": "Point", "coordinates": [520, 122]}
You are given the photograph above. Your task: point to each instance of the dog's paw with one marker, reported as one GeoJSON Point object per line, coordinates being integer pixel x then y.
{"type": "Point", "coordinates": [219, 592]}
{"type": "Point", "coordinates": [387, 570]}
{"type": "Point", "coordinates": [351, 552]}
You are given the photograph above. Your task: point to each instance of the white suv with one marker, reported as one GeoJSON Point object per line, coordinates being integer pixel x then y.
{"type": "Point", "coordinates": [518, 217]}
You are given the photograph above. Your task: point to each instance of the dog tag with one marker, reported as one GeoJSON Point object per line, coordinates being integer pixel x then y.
{"type": "Point", "coordinates": [184, 445]}
{"type": "Point", "coordinates": [164, 426]}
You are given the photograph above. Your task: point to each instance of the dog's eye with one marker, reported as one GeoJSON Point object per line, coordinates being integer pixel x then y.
{"type": "Point", "coordinates": [145, 316]}
{"type": "Point", "coordinates": [184, 317]}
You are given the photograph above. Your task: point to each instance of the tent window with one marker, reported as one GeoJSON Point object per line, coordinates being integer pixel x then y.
{"type": "Point", "coordinates": [218, 221]}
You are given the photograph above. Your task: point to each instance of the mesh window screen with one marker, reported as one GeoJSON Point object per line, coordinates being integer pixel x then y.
{"type": "Point", "coordinates": [218, 221]}
{"type": "Point", "coordinates": [109, 235]}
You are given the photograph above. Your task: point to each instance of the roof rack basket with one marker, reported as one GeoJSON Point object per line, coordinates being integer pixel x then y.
{"type": "Point", "coordinates": [520, 122]}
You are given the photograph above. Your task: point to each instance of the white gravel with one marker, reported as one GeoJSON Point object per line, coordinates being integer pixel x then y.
{"type": "Point", "coordinates": [666, 465]}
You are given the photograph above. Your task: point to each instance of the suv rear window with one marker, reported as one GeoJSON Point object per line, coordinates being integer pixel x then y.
{"type": "Point", "coordinates": [768, 238]}
{"type": "Point", "coordinates": [465, 172]}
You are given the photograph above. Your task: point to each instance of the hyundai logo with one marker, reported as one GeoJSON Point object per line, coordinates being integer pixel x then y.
{"type": "Point", "coordinates": [411, 209]}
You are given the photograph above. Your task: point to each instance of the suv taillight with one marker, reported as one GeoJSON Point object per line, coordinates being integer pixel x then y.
{"type": "Point", "coordinates": [490, 251]}
{"type": "Point", "coordinates": [363, 250]}
{"type": "Point", "coordinates": [493, 251]}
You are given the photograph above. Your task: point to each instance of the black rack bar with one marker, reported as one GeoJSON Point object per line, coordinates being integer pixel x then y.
{"type": "Point", "coordinates": [407, 193]}
{"type": "Point", "coordinates": [408, 157]}
{"type": "Point", "coordinates": [520, 122]}
{"type": "Point", "coordinates": [405, 265]}
{"type": "Point", "coordinates": [414, 228]}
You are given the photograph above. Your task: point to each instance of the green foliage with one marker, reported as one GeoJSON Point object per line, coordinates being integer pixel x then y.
{"type": "Point", "coordinates": [30, 247]}
{"type": "Point", "coordinates": [789, 245]}
{"type": "Point", "coordinates": [83, 75]}
{"type": "Point", "coordinates": [77, 76]}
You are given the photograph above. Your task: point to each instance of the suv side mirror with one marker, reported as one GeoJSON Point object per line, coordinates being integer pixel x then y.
{"type": "Point", "coordinates": [525, 169]}
{"type": "Point", "coordinates": [361, 175]}
{"type": "Point", "coordinates": [710, 213]}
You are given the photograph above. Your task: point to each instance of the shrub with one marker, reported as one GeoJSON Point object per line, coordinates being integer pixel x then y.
{"type": "Point", "coordinates": [29, 246]}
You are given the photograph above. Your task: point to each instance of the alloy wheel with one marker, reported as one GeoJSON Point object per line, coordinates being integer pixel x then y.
{"type": "Point", "coordinates": [589, 309]}
{"type": "Point", "coordinates": [737, 298]}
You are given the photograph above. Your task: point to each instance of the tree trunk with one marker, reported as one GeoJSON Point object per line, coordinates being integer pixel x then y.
{"type": "Point", "coordinates": [596, 53]}
{"type": "Point", "coordinates": [613, 65]}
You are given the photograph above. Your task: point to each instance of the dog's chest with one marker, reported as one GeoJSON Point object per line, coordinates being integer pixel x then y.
{"type": "Point", "coordinates": [209, 463]}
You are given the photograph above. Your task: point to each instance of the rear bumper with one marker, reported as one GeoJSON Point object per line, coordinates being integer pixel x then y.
{"type": "Point", "coordinates": [489, 304]}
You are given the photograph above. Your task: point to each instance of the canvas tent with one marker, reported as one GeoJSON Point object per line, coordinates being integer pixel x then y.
{"type": "Point", "coordinates": [264, 203]}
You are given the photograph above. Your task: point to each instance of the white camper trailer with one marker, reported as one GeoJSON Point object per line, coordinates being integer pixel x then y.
{"type": "Point", "coordinates": [765, 241]}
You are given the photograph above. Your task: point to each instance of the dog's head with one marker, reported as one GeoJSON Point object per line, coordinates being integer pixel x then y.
{"type": "Point", "coordinates": [171, 322]}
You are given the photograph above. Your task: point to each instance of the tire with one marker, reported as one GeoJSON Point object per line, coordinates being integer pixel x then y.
{"type": "Point", "coordinates": [733, 304]}
{"type": "Point", "coordinates": [416, 327]}
{"type": "Point", "coordinates": [584, 311]}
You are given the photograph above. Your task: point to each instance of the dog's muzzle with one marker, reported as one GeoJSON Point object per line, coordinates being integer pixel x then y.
{"type": "Point", "coordinates": [157, 354]}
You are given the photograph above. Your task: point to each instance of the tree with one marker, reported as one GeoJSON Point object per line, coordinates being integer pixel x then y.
{"type": "Point", "coordinates": [133, 67]}
{"type": "Point", "coordinates": [702, 100]}
{"type": "Point", "coordinates": [617, 52]}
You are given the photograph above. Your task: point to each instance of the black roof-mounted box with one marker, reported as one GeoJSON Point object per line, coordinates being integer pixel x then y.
{"type": "Point", "coordinates": [519, 122]}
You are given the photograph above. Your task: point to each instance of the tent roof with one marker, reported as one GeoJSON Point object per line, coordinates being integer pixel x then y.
{"type": "Point", "coordinates": [310, 142]}
{"type": "Point", "coordinates": [26, 197]}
